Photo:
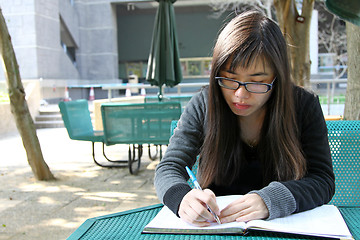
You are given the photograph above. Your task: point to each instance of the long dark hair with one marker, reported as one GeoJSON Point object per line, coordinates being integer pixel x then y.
{"type": "Point", "coordinates": [246, 37]}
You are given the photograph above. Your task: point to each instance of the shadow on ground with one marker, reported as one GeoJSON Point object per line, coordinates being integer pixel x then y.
{"type": "Point", "coordinates": [31, 209]}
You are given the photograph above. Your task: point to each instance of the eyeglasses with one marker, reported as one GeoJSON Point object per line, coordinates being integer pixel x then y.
{"type": "Point", "coordinates": [252, 87]}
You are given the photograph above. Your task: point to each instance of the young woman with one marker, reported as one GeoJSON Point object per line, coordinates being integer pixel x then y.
{"type": "Point", "coordinates": [255, 132]}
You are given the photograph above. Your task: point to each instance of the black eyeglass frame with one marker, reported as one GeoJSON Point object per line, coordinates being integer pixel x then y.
{"type": "Point", "coordinates": [245, 84]}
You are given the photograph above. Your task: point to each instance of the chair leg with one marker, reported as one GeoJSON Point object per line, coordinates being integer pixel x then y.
{"type": "Point", "coordinates": [114, 161]}
{"type": "Point", "coordinates": [115, 164]}
{"type": "Point", "coordinates": [134, 162]}
{"type": "Point", "coordinates": [153, 156]}
{"type": "Point", "coordinates": [160, 152]}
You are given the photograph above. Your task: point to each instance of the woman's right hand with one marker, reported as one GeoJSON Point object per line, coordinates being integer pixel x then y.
{"type": "Point", "coordinates": [193, 207]}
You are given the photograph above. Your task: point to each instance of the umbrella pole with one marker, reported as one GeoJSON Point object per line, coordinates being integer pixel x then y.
{"type": "Point", "coordinates": [160, 94]}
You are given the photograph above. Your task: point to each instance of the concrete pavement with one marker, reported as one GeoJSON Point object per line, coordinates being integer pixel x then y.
{"type": "Point", "coordinates": [31, 209]}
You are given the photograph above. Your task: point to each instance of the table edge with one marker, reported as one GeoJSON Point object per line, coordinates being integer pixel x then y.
{"type": "Point", "coordinates": [80, 231]}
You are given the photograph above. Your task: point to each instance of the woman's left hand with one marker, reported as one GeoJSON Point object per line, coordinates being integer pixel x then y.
{"type": "Point", "coordinates": [248, 207]}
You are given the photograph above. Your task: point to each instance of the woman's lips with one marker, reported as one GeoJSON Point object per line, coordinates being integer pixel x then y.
{"type": "Point", "coordinates": [241, 106]}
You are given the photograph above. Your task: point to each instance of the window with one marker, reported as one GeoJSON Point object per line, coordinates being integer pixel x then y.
{"type": "Point", "coordinates": [67, 42]}
{"type": "Point", "coordinates": [196, 67]}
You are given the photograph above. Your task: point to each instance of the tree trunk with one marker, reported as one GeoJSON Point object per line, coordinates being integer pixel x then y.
{"type": "Point", "coordinates": [352, 102]}
{"type": "Point", "coordinates": [19, 107]}
{"type": "Point", "coordinates": [296, 29]}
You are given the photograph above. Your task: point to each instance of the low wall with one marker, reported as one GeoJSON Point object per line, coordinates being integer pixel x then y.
{"type": "Point", "coordinates": [97, 108]}
{"type": "Point", "coordinates": [33, 97]}
{"type": "Point", "coordinates": [7, 123]}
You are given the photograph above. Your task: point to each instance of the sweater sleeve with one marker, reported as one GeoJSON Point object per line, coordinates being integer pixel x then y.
{"type": "Point", "coordinates": [184, 146]}
{"type": "Point", "coordinates": [317, 186]}
{"type": "Point", "coordinates": [278, 199]}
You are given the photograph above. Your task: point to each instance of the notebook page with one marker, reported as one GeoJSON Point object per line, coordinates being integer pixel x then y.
{"type": "Point", "coordinates": [168, 220]}
{"type": "Point", "coordinates": [325, 220]}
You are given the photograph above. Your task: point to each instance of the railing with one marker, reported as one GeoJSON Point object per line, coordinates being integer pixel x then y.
{"type": "Point", "coordinates": [123, 86]}
{"type": "Point", "coordinates": [330, 90]}
{"type": "Point", "coordinates": [329, 97]}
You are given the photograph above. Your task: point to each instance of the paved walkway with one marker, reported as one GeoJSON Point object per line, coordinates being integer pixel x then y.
{"type": "Point", "coordinates": [31, 209]}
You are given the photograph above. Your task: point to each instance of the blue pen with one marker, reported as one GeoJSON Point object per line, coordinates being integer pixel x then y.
{"type": "Point", "coordinates": [197, 186]}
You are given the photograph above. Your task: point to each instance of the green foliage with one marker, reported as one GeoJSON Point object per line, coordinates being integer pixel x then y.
{"type": "Point", "coordinates": [4, 97]}
{"type": "Point", "coordinates": [336, 100]}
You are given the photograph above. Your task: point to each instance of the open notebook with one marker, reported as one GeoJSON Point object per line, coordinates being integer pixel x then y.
{"type": "Point", "coordinates": [323, 221]}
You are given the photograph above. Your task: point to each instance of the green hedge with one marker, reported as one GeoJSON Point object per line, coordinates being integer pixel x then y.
{"type": "Point", "coordinates": [337, 99]}
{"type": "Point", "coordinates": [4, 97]}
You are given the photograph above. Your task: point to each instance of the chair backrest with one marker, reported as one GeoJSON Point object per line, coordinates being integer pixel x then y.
{"type": "Point", "coordinates": [344, 141]}
{"type": "Point", "coordinates": [77, 120]}
{"type": "Point", "coordinates": [173, 126]}
{"type": "Point", "coordinates": [138, 123]}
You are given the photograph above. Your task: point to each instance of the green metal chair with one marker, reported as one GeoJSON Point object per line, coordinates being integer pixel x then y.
{"type": "Point", "coordinates": [136, 124]}
{"type": "Point", "coordinates": [77, 120]}
{"type": "Point", "coordinates": [344, 141]}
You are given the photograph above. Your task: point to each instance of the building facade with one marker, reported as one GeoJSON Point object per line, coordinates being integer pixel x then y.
{"type": "Point", "coordinates": [86, 42]}
{"type": "Point", "coordinates": [82, 43]}
{"type": "Point", "coordinates": [63, 42]}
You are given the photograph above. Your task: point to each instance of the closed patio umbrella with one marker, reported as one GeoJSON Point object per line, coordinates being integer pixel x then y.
{"type": "Point", "coordinates": [348, 10]}
{"type": "Point", "coordinates": [164, 64]}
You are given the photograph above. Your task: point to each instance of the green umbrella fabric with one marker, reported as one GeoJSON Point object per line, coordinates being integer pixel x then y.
{"type": "Point", "coordinates": [348, 10]}
{"type": "Point", "coordinates": [164, 66]}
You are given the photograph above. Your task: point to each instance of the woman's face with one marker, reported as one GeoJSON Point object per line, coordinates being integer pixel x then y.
{"type": "Point", "coordinates": [241, 102]}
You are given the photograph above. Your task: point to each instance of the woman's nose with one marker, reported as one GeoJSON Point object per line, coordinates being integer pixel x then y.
{"type": "Point", "coordinates": [241, 92]}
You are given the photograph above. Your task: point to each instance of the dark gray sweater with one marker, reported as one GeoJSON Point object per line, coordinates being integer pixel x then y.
{"type": "Point", "coordinates": [281, 198]}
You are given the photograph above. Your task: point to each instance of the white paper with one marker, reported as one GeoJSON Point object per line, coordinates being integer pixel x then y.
{"type": "Point", "coordinates": [325, 221]}
{"type": "Point", "coordinates": [167, 219]}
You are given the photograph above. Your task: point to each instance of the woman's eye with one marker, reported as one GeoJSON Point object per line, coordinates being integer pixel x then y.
{"type": "Point", "coordinates": [257, 81]}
